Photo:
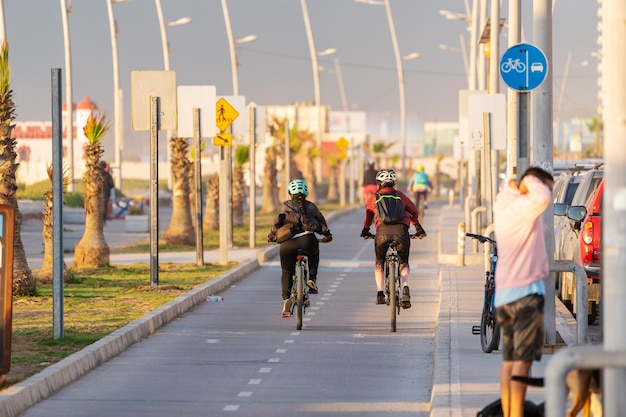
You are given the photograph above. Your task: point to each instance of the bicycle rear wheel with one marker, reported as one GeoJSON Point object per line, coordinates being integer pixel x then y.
{"type": "Point", "coordinates": [489, 327]}
{"type": "Point", "coordinates": [392, 272]}
{"type": "Point", "coordinates": [299, 294]}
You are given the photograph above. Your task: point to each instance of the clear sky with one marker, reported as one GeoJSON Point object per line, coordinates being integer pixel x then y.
{"type": "Point", "coordinates": [276, 68]}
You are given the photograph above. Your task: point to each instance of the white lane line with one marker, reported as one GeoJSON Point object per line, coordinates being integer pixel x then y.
{"type": "Point", "coordinates": [321, 303]}
{"type": "Point", "coordinates": [273, 360]}
{"type": "Point", "coordinates": [323, 298]}
{"type": "Point", "coordinates": [254, 381]}
{"type": "Point", "coordinates": [245, 394]}
{"type": "Point", "coordinates": [289, 341]}
{"type": "Point", "coordinates": [294, 334]}
{"type": "Point", "coordinates": [310, 313]}
{"type": "Point", "coordinates": [213, 340]}
{"type": "Point", "coordinates": [281, 350]}
{"type": "Point", "coordinates": [265, 370]}
{"type": "Point", "coordinates": [328, 294]}
{"type": "Point", "coordinates": [231, 408]}
{"type": "Point", "coordinates": [314, 308]}
{"type": "Point", "coordinates": [306, 319]}
{"type": "Point", "coordinates": [333, 286]}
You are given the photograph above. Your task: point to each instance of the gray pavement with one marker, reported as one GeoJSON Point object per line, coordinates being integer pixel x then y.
{"type": "Point", "coordinates": [464, 378]}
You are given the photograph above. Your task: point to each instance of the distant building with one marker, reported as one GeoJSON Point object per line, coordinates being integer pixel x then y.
{"type": "Point", "coordinates": [34, 144]}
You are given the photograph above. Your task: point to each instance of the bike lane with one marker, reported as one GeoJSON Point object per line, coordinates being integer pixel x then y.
{"type": "Point", "coordinates": [239, 357]}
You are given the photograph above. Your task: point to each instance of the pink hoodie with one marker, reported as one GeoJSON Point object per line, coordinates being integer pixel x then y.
{"type": "Point", "coordinates": [518, 226]}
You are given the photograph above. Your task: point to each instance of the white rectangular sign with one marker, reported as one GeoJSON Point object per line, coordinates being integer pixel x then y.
{"type": "Point", "coordinates": [146, 84]}
{"type": "Point", "coordinates": [202, 97]}
{"type": "Point", "coordinates": [487, 103]}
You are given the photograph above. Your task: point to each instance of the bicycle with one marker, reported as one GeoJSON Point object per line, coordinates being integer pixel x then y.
{"type": "Point", "coordinates": [299, 289]}
{"type": "Point", "coordinates": [420, 203]}
{"type": "Point", "coordinates": [489, 329]}
{"type": "Point", "coordinates": [513, 64]}
{"type": "Point", "coordinates": [393, 284]}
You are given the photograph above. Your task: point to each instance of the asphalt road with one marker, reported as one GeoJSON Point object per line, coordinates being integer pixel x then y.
{"type": "Point", "coordinates": [238, 357]}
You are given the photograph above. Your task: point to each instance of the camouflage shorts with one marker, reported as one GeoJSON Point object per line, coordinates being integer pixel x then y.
{"type": "Point", "coordinates": [521, 323]}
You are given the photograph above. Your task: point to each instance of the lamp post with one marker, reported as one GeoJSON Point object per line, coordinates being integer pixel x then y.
{"type": "Point", "coordinates": [463, 50]}
{"type": "Point", "coordinates": [69, 106]}
{"type": "Point", "coordinates": [166, 65]}
{"type": "Point", "coordinates": [231, 46]}
{"type": "Point", "coordinates": [162, 26]}
{"type": "Point", "coordinates": [316, 83]}
{"type": "Point", "coordinates": [399, 60]}
{"type": "Point", "coordinates": [117, 95]}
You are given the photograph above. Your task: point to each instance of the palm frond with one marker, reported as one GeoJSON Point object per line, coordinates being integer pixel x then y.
{"type": "Point", "coordinates": [96, 127]}
{"type": "Point", "coordinates": [242, 155]}
{"type": "Point", "coordinates": [5, 70]}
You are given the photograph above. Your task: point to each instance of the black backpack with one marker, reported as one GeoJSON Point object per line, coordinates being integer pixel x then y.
{"type": "Point", "coordinates": [389, 207]}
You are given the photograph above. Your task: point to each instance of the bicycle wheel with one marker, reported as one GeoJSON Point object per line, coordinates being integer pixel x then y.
{"type": "Point", "coordinates": [299, 294]}
{"type": "Point", "coordinates": [489, 327]}
{"type": "Point", "coordinates": [392, 272]}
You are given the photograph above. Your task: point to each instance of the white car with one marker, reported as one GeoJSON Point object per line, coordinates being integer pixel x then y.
{"type": "Point", "coordinates": [536, 66]}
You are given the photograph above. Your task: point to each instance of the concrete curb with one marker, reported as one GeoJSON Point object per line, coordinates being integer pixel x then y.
{"type": "Point", "coordinates": [19, 397]}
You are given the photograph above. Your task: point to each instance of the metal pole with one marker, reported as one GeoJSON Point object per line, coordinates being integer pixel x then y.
{"type": "Point", "coordinates": [57, 205]}
{"type": "Point", "coordinates": [231, 48]}
{"type": "Point", "coordinates": [154, 191]}
{"type": "Point", "coordinates": [512, 95]}
{"type": "Point", "coordinates": [316, 87]}
{"type": "Point", "coordinates": [396, 50]}
{"type": "Point", "coordinates": [287, 158]}
{"type": "Point", "coordinates": [473, 44]}
{"type": "Point", "coordinates": [198, 185]}
{"type": "Point", "coordinates": [224, 206]}
{"type": "Point", "coordinates": [69, 101]}
{"type": "Point", "coordinates": [252, 197]}
{"type": "Point", "coordinates": [614, 226]}
{"type": "Point", "coordinates": [542, 143]}
{"type": "Point", "coordinates": [559, 105]}
{"type": "Point", "coordinates": [164, 46]}
{"type": "Point", "coordinates": [116, 99]}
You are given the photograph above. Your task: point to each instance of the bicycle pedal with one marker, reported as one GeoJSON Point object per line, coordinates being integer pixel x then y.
{"type": "Point", "coordinates": [476, 330]}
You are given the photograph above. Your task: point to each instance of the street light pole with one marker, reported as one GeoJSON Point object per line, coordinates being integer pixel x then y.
{"type": "Point", "coordinates": [117, 95]}
{"type": "Point", "coordinates": [231, 47]}
{"type": "Point", "coordinates": [316, 87]}
{"type": "Point", "coordinates": [401, 87]}
{"type": "Point", "coordinates": [69, 106]}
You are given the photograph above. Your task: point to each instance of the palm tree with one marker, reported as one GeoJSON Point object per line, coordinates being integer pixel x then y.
{"type": "Point", "coordinates": [304, 155]}
{"type": "Point", "coordinates": [377, 150]}
{"type": "Point", "coordinates": [181, 230]}
{"type": "Point", "coordinates": [596, 127]}
{"type": "Point", "coordinates": [92, 250]}
{"type": "Point", "coordinates": [270, 200]}
{"type": "Point", "coordinates": [23, 280]}
{"type": "Point", "coordinates": [242, 156]}
{"type": "Point", "coordinates": [44, 274]}
{"type": "Point", "coordinates": [333, 164]}
{"type": "Point", "coordinates": [211, 218]}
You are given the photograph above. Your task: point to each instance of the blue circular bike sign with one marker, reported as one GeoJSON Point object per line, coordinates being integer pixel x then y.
{"type": "Point", "coordinates": [523, 67]}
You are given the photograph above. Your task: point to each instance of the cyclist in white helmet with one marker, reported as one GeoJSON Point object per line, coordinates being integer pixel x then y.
{"type": "Point", "coordinates": [296, 222]}
{"type": "Point", "coordinates": [387, 233]}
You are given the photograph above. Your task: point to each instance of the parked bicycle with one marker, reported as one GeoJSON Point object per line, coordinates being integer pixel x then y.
{"type": "Point", "coordinates": [489, 329]}
{"type": "Point", "coordinates": [393, 284]}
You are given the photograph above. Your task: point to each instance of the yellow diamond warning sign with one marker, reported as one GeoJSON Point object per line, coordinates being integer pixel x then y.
{"type": "Point", "coordinates": [342, 143]}
{"type": "Point", "coordinates": [225, 114]}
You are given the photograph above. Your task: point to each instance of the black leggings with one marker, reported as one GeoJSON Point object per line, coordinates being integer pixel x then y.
{"type": "Point", "coordinates": [288, 252]}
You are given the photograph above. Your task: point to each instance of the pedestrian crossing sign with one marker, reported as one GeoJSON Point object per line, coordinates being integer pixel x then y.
{"type": "Point", "coordinates": [225, 114]}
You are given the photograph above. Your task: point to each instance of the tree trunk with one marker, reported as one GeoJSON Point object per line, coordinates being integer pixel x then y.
{"type": "Point", "coordinates": [270, 198]}
{"type": "Point", "coordinates": [239, 196]}
{"type": "Point", "coordinates": [92, 250]}
{"type": "Point", "coordinates": [211, 220]}
{"type": "Point", "coordinates": [333, 194]}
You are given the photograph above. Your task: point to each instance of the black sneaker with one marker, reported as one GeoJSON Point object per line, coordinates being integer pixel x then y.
{"type": "Point", "coordinates": [420, 232]}
{"type": "Point", "coordinates": [406, 298]}
{"type": "Point", "coordinates": [380, 297]}
{"type": "Point", "coordinates": [312, 286]}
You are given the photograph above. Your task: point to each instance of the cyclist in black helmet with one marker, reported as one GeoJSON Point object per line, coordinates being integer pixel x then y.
{"type": "Point", "coordinates": [296, 222]}
{"type": "Point", "coordinates": [387, 233]}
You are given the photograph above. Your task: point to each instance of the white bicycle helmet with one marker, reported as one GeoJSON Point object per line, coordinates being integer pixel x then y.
{"type": "Point", "coordinates": [298, 187]}
{"type": "Point", "coordinates": [386, 177]}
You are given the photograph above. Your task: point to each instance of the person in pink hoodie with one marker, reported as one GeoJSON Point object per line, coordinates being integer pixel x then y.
{"type": "Point", "coordinates": [522, 265]}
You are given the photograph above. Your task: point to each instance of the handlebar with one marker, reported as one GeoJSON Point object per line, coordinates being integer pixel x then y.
{"type": "Point", "coordinates": [371, 236]}
{"type": "Point", "coordinates": [481, 238]}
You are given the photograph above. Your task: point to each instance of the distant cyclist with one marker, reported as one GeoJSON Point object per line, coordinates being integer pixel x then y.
{"type": "Point", "coordinates": [421, 185]}
{"type": "Point", "coordinates": [369, 181]}
{"type": "Point", "coordinates": [297, 220]}
{"type": "Point", "coordinates": [387, 233]}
